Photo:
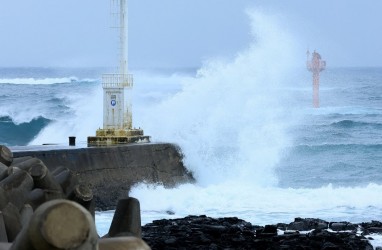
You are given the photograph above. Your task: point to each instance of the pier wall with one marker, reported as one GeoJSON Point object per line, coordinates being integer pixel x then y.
{"type": "Point", "coordinates": [111, 171]}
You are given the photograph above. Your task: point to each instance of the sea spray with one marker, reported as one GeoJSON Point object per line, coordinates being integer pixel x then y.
{"type": "Point", "coordinates": [233, 122]}
{"type": "Point", "coordinates": [228, 120]}
{"type": "Point", "coordinates": [30, 81]}
{"type": "Point", "coordinates": [261, 205]}
{"type": "Point", "coordinates": [31, 106]}
{"type": "Point", "coordinates": [85, 117]}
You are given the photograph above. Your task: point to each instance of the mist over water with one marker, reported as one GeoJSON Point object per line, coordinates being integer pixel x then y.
{"type": "Point", "coordinates": [85, 116]}
{"type": "Point", "coordinates": [229, 119]}
{"type": "Point", "coordinates": [234, 122]}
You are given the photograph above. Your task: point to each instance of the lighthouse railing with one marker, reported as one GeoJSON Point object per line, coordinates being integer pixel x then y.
{"type": "Point", "coordinates": [117, 81]}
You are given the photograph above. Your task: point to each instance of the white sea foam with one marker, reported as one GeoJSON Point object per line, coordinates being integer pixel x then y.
{"type": "Point", "coordinates": [43, 81]}
{"type": "Point", "coordinates": [84, 119]}
{"type": "Point", "coordinates": [231, 122]}
{"type": "Point", "coordinates": [260, 205]}
{"type": "Point", "coordinates": [228, 120]}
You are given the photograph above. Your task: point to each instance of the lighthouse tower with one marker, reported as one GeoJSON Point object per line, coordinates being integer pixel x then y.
{"type": "Point", "coordinates": [117, 87]}
{"type": "Point", "coordinates": [315, 65]}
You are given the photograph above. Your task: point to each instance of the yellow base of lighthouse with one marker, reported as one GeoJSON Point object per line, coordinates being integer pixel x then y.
{"type": "Point", "coordinates": [117, 136]}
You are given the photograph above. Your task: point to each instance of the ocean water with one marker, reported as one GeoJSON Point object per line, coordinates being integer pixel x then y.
{"type": "Point", "coordinates": [246, 126]}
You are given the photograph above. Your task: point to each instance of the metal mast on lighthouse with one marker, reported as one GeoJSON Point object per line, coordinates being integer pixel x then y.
{"type": "Point", "coordinates": [117, 87]}
{"type": "Point", "coordinates": [117, 109]}
{"type": "Point", "coordinates": [315, 65]}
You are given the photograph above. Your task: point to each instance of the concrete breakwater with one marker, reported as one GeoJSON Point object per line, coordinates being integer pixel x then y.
{"type": "Point", "coordinates": [110, 172]}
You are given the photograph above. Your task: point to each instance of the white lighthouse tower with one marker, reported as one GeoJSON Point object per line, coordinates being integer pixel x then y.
{"type": "Point", "coordinates": [117, 87]}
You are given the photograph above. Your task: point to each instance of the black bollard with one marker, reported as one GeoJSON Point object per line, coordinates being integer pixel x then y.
{"type": "Point", "coordinates": [72, 141]}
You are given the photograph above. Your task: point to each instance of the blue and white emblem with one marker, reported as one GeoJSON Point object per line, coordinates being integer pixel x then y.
{"type": "Point", "coordinates": [113, 102]}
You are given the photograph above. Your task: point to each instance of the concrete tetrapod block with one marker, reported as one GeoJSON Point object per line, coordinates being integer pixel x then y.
{"type": "Point", "coordinates": [26, 163]}
{"type": "Point", "coordinates": [26, 214]}
{"type": "Point", "coordinates": [3, 231]}
{"type": "Point", "coordinates": [12, 221]}
{"type": "Point", "coordinates": [66, 179]}
{"type": "Point", "coordinates": [83, 195]}
{"type": "Point", "coordinates": [5, 246]}
{"type": "Point", "coordinates": [18, 160]}
{"type": "Point", "coordinates": [127, 219]}
{"type": "Point", "coordinates": [122, 243]}
{"type": "Point", "coordinates": [42, 177]}
{"type": "Point", "coordinates": [3, 171]}
{"type": "Point", "coordinates": [16, 187]}
{"type": "Point", "coordinates": [38, 196]}
{"type": "Point", "coordinates": [58, 224]}
{"type": "Point", "coordinates": [6, 155]}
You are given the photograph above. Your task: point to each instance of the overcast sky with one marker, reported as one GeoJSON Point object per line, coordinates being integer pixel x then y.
{"type": "Point", "coordinates": [182, 33]}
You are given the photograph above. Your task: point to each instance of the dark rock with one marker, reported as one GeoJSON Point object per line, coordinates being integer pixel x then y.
{"type": "Point", "coordinates": [371, 227]}
{"type": "Point", "coordinates": [329, 246]}
{"type": "Point", "coordinates": [375, 229]}
{"type": "Point", "coordinates": [342, 226]}
{"type": "Point", "coordinates": [201, 232]}
{"type": "Point", "coordinates": [307, 224]}
{"type": "Point", "coordinates": [267, 231]}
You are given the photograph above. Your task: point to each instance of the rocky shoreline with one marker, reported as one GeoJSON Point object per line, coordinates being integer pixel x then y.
{"type": "Point", "coordinates": [202, 232]}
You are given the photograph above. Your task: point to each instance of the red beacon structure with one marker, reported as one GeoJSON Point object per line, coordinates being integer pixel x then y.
{"type": "Point", "coordinates": [315, 65]}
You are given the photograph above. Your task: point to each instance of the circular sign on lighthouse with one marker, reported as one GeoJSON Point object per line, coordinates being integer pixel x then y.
{"type": "Point", "coordinates": [113, 102]}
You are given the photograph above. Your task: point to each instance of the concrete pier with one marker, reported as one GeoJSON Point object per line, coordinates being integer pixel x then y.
{"type": "Point", "coordinates": [111, 171]}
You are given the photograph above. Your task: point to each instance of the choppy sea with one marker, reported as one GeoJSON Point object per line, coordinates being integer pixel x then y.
{"type": "Point", "coordinates": [259, 155]}
{"type": "Point", "coordinates": [246, 126]}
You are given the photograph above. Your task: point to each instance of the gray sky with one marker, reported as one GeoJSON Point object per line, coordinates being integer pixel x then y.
{"type": "Point", "coordinates": [182, 33]}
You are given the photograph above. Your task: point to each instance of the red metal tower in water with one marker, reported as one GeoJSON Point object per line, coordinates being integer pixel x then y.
{"type": "Point", "coordinates": [315, 65]}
